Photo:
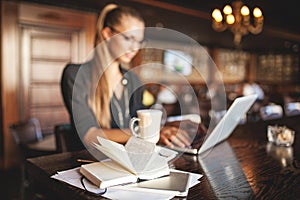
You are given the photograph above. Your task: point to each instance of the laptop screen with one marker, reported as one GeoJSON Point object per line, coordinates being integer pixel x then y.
{"type": "Point", "coordinates": [204, 140]}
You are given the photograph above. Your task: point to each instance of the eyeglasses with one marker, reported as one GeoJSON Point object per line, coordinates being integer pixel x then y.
{"type": "Point", "coordinates": [90, 188]}
{"type": "Point", "coordinates": [129, 39]}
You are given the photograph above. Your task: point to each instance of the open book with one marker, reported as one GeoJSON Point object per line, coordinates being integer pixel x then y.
{"type": "Point", "coordinates": [138, 159]}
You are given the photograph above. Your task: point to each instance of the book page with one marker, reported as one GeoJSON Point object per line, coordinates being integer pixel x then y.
{"type": "Point", "coordinates": [139, 146]}
{"type": "Point", "coordinates": [157, 166]}
{"type": "Point", "coordinates": [147, 162]}
{"type": "Point", "coordinates": [110, 144]}
{"type": "Point", "coordinates": [139, 152]}
{"type": "Point", "coordinates": [139, 161]}
{"type": "Point", "coordinates": [138, 156]}
{"type": "Point", "coordinates": [118, 156]}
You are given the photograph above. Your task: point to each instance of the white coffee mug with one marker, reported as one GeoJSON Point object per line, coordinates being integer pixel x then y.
{"type": "Point", "coordinates": [149, 121]}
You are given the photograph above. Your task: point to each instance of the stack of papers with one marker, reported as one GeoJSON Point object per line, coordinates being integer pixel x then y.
{"type": "Point", "coordinates": [130, 191]}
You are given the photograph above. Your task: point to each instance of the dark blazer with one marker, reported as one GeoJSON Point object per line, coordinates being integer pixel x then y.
{"type": "Point", "coordinates": [81, 115]}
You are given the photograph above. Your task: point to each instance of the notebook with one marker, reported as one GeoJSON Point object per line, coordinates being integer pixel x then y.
{"type": "Point", "coordinates": [176, 181]}
{"type": "Point", "coordinates": [223, 129]}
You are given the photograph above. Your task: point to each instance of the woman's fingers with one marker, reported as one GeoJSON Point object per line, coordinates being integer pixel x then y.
{"type": "Point", "coordinates": [166, 141]}
{"type": "Point", "coordinates": [184, 137]}
{"type": "Point", "coordinates": [171, 136]}
{"type": "Point", "coordinates": [175, 140]}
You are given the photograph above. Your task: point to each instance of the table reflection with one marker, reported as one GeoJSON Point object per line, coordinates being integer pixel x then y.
{"type": "Point", "coordinates": [282, 154]}
{"type": "Point", "coordinates": [222, 168]}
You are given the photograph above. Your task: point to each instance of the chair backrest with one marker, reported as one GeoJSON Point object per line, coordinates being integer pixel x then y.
{"type": "Point", "coordinates": [272, 111]}
{"type": "Point", "coordinates": [29, 138]}
{"type": "Point", "coordinates": [26, 132]}
{"type": "Point", "coordinates": [67, 139]}
{"type": "Point", "coordinates": [292, 108]}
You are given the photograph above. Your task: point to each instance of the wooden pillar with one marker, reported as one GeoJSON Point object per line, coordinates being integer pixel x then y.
{"type": "Point", "coordinates": [251, 68]}
{"type": "Point", "coordinates": [9, 77]}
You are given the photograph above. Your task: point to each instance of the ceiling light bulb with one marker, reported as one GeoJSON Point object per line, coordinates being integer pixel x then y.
{"type": "Point", "coordinates": [227, 10]}
{"type": "Point", "coordinates": [245, 11]}
{"type": "Point", "coordinates": [230, 19]}
{"type": "Point", "coordinates": [257, 12]}
{"type": "Point", "coordinates": [216, 14]}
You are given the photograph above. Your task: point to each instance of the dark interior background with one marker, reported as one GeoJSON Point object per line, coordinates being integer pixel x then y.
{"type": "Point", "coordinates": [281, 30]}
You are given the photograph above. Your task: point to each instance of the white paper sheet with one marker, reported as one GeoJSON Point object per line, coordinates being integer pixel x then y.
{"type": "Point", "coordinates": [73, 176]}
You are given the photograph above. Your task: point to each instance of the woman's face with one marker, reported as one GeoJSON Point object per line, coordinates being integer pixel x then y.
{"type": "Point", "coordinates": [126, 39]}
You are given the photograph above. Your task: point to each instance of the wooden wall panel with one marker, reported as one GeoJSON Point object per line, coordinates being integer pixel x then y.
{"type": "Point", "coordinates": [45, 95]}
{"type": "Point", "coordinates": [51, 47]}
{"type": "Point", "coordinates": [44, 114]}
{"type": "Point", "coordinates": [38, 70]}
{"type": "Point", "coordinates": [44, 71]}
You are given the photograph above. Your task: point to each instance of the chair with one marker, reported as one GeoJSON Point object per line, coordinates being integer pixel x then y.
{"type": "Point", "coordinates": [272, 111]}
{"type": "Point", "coordinates": [67, 139]}
{"type": "Point", "coordinates": [31, 143]}
{"type": "Point", "coordinates": [292, 108]}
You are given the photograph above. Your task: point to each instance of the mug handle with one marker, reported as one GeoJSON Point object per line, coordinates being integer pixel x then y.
{"type": "Point", "coordinates": [131, 126]}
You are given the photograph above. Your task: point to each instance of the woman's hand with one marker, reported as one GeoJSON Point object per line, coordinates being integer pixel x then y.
{"type": "Point", "coordinates": [171, 135]}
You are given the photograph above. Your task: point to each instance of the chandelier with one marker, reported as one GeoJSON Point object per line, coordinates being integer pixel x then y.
{"type": "Point", "coordinates": [237, 19]}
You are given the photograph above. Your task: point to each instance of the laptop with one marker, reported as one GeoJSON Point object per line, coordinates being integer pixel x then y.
{"type": "Point", "coordinates": [223, 129]}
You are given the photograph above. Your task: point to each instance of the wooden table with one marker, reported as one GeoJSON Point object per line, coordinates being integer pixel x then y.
{"type": "Point", "coordinates": [245, 166]}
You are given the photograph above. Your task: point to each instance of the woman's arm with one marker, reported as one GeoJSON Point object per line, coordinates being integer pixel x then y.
{"type": "Point", "coordinates": [169, 136]}
{"type": "Point", "coordinates": [116, 135]}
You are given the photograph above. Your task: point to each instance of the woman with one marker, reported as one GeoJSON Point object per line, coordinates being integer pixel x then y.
{"type": "Point", "coordinates": [106, 96]}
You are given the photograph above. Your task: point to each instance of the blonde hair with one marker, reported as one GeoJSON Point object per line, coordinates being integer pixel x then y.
{"type": "Point", "coordinates": [100, 101]}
